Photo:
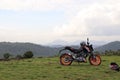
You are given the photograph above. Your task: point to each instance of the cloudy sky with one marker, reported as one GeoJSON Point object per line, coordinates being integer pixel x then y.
{"type": "Point", "coordinates": [45, 21]}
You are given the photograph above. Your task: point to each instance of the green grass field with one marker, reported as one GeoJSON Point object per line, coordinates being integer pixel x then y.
{"type": "Point", "coordinates": [50, 69]}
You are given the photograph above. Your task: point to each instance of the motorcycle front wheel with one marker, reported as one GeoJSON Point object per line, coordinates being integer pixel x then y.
{"type": "Point", "coordinates": [65, 59]}
{"type": "Point", "coordinates": [95, 60]}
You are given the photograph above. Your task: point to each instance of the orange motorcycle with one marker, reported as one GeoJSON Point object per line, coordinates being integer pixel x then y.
{"type": "Point", "coordinates": [70, 54]}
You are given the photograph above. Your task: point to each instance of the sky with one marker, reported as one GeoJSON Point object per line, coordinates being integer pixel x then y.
{"type": "Point", "coordinates": [46, 21]}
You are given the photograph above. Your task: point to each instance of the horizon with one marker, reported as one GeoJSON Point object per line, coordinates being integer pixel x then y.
{"type": "Point", "coordinates": [44, 22]}
{"type": "Point", "coordinates": [65, 43]}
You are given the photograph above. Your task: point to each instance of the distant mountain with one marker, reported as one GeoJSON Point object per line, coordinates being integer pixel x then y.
{"type": "Point", "coordinates": [21, 48]}
{"type": "Point", "coordinates": [58, 43]}
{"type": "Point", "coordinates": [61, 43]}
{"type": "Point", "coordinates": [110, 46]}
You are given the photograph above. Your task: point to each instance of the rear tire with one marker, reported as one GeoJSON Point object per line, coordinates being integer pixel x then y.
{"type": "Point", "coordinates": [66, 59]}
{"type": "Point", "coordinates": [95, 60]}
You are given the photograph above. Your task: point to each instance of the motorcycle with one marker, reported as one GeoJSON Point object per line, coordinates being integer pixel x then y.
{"type": "Point", "coordinates": [79, 55]}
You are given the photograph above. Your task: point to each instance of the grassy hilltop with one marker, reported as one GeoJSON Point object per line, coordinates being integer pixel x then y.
{"type": "Point", "coordinates": [50, 69]}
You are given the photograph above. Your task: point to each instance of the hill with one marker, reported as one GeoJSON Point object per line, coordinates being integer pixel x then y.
{"type": "Point", "coordinates": [110, 46]}
{"type": "Point", "coordinates": [39, 50]}
{"type": "Point", "coordinates": [21, 48]}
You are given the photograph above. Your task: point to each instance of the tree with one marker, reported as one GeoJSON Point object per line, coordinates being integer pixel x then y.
{"type": "Point", "coordinates": [28, 54]}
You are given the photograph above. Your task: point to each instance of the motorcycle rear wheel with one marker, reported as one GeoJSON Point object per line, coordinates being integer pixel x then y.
{"type": "Point", "coordinates": [66, 59]}
{"type": "Point", "coordinates": [95, 60]}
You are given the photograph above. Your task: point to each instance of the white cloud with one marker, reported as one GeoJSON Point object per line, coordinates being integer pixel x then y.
{"type": "Point", "coordinates": [100, 19]}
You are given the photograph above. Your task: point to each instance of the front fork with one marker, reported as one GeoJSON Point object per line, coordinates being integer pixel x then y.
{"type": "Point", "coordinates": [93, 56]}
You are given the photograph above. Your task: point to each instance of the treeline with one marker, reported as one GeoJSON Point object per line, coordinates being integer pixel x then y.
{"type": "Point", "coordinates": [8, 56]}
{"type": "Point", "coordinates": [110, 53]}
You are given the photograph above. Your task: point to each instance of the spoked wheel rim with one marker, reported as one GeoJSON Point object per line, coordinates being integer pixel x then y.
{"type": "Point", "coordinates": [65, 59]}
{"type": "Point", "coordinates": [95, 60]}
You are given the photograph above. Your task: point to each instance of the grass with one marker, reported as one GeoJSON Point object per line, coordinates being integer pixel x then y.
{"type": "Point", "coordinates": [50, 69]}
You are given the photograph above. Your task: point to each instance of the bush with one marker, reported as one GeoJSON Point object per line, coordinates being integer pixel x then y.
{"type": "Point", "coordinates": [28, 54]}
{"type": "Point", "coordinates": [110, 53]}
{"type": "Point", "coordinates": [6, 56]}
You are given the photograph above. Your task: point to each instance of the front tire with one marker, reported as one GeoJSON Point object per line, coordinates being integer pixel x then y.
{"type": "Point", "coordinates": [66, 59]}
{"type": "Point", "coordinates": [95, 60]}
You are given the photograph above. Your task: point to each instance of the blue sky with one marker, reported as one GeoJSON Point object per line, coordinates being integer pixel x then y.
{"type": "Point", "coordinates": [45, 21]}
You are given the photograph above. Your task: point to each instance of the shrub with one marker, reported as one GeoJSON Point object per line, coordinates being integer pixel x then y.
{"type": "Point", "coordinates": [28, 54]}
{"type": "Point", "coordinates": [6, 56]}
